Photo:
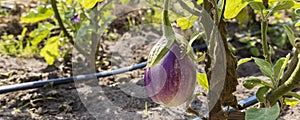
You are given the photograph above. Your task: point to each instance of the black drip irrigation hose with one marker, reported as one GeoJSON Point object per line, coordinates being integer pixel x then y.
{"type": "Point", "coordinates": [58, 81]}
{"type": "Point", "coordinates": [36, 84]}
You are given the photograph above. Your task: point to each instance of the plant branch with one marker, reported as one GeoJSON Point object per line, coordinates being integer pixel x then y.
{"type": "Point", "coordinates": [291, 67]}
{"type": "Point", "coordinates": [291, 83]}
{"type": "Point", "coordinates": [61, 25]}
{"type": "Point", "coordinates": [167, 27]}
{"type": "Point", "coordinates": [264, 28]}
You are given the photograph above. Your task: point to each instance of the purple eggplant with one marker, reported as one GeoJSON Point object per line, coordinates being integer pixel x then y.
{"type": "Point", "coordinates": [171, 81]}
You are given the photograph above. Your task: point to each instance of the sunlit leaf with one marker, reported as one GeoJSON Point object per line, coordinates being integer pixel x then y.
{"type": "Point", "coordinates": [199, 2]}
{"type": "Point", "coordinates": [291, 102]}
{"type": "Point", "coordinates": [233, 7]}
{"type": "Point", "coordinates": [202, 80]}
{"type": "Point", "coordinates": [42, 13]}
{"type": "Point", "coordinates": [51, 51]}
{"type": "Point", "coordinates": [159, 50]}
{"type": "Point", "coordinates": [242, 61]}
{"type": "Point", "coordinates": [186, 22]}
{"type": "Point", "coordinates": [297, 24]}
{"type": "Point", "coordinates": [263, 113]}
{"type": "Point", "coordinates": [41, 36]}
{"type": "Point", "coordinates": [89, 3]}
{"type": "Point", "coordinates": [125, 1]}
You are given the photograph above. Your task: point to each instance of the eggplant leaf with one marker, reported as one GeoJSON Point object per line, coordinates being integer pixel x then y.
{"type": "Point", "coordinates": [263, 113]}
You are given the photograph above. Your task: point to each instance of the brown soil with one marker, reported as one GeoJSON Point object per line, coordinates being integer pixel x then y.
{"type": "Point", "coordinates": [67, 101]}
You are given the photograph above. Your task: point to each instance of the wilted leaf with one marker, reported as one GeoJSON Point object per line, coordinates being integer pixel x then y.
{"type": "Point", "coordinates": [202, 80]}
{"type": "Point", "coordinates": [263, 113]}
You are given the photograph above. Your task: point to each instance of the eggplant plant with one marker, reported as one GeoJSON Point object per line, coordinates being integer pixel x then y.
{"type": "Point", "coordinates": [161, 81]}
{"type": "Point", "coordinates": [283, 76]}
{"type": "Point", "coordinates": [171, 74]}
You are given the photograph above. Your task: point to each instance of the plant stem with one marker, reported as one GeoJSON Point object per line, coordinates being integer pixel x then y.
{"type": "Point", "coordinates": [167, 28]}
{"type": "Point", "coordinates": [291, 67]}
{"type": "Point", "coordinates": [61, 25]}
{"type": "Point", "coordinates": [291, 83]}
{"type": "Point", "coordinates": [264, 27]}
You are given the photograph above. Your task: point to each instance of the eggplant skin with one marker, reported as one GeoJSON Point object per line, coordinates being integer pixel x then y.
{"type": "Point", "coordinates": [172, 80]}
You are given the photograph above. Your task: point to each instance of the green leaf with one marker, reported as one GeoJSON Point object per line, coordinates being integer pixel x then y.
{"type": "Point", "coordinates": [261, 94]}
{"type": "Point", "coordinates": [277, 68]}
{"type": "Point", "coordinates": [202, 80]}
{"type": "Point", "coordinates": [284, 5]}
{"type": "Point", "coordinates": [199, 2]}
{"type": "Point", "coordinates": [233, 7]}
{"type": "Point", "coordinates": [294, 94]}
{"type": "Point", "coordinates": [51, 51]}
{"type": "Point", "coordinates": [252, 82]}
{"type": "Point", "coordinates": [263, 113]}
{"type": "Point", "coordinates": [242, 61]}
{"type": "Point", "coordinates": [291, 102]}
{"type": "Point", "coordinates": [297, 12]}
{"type": "Point", "coordinates": [296, 5]}
{"type": "Point", "coordinates": [257, 5]}
{"type": "Point", "coordinates": [297, 24]}
{"type": "Point", "coordinates": [265, 67]}
{"type": "Point", "coordinates": [186, 22]}
{"type": "Point", "coordinates": [89, 3]}
{"type": "Point", "coordinates": [254, 51]}
{"type": "Point", "coordinates": [290, 34]}
{"type": "Point", "coordinates": [42, 13]}
{"type": "Point", "coordinates": [125, 1]}
{"type": "Point", "coordinates": [42, 35]}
